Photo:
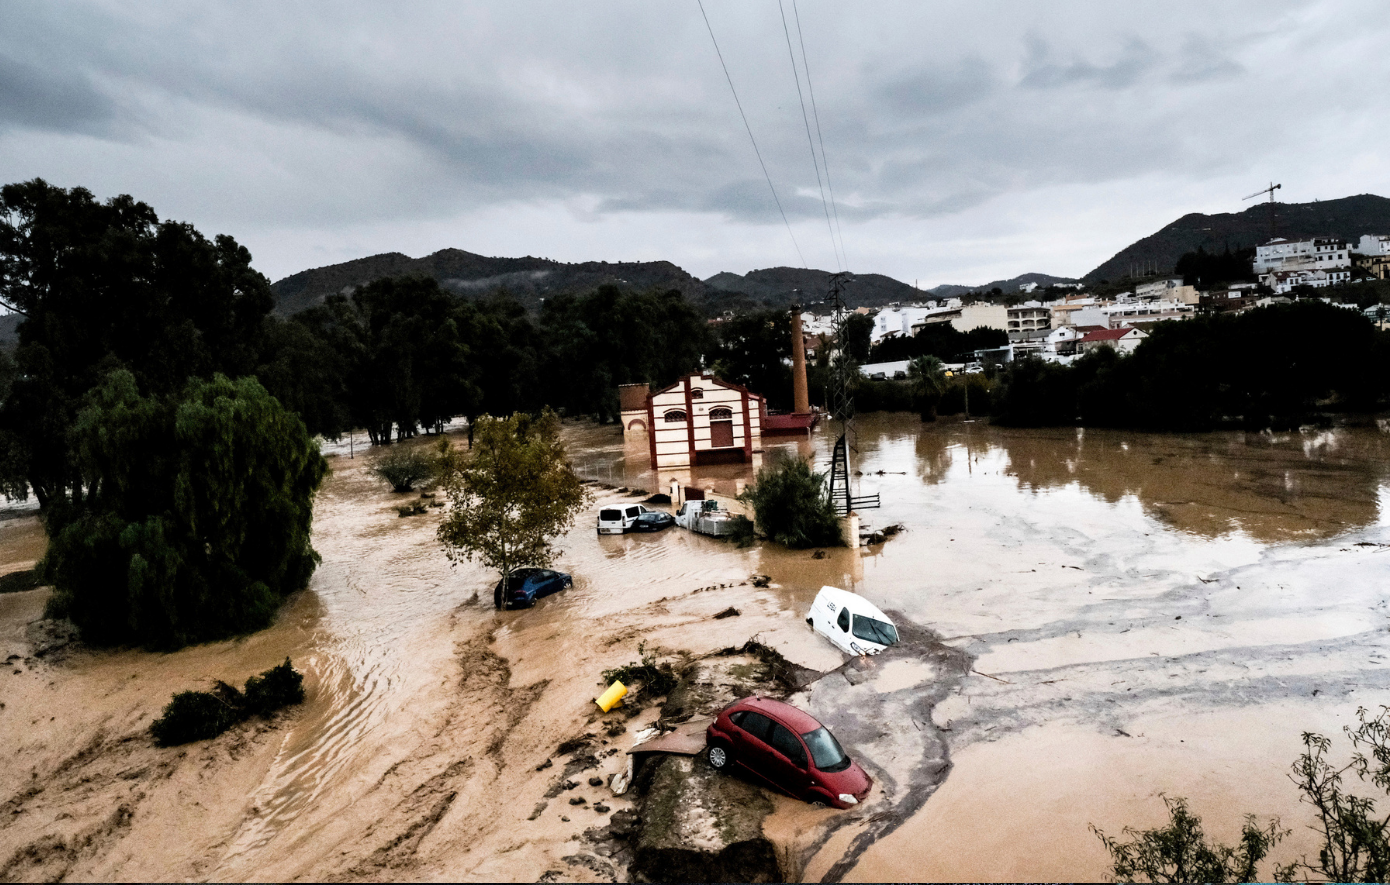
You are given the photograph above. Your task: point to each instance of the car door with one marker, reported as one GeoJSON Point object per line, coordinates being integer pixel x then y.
{"type": "Point", "coordinates": [546, 582]}
{"type": "Point", "coordinates": [840, 633]}
{"type": "Point", "coordinates": [753, 753]}
{"type": "Point", "coordinates": [630, 516]}
{"type": "Point", "coordinates": [787, 763]}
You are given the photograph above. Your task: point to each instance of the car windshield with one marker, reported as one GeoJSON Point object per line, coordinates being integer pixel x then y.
{"type": "Point", "coordinates": [872, 630]}
{"type": "Point", "coordinates": [610, 515]}
{"type": "Point", "coordinates": [825, 750]}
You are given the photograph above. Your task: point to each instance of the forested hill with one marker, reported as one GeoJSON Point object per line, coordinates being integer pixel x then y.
{"type": "Point", "coordinates": [787, 285]}
{"type": "Point", "coordinates": [1348, 217]}
{"type": "Point", "coordinates": [531, 279]}
{"type": "Point", "coordinates": [528, 279]}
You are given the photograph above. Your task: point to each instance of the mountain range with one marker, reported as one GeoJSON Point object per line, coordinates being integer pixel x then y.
{"type": "Point", "coordinates": [532, 280]}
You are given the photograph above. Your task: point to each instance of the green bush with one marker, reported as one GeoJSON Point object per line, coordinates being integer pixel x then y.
{"type": "Point", "coordinates": [791, 506]}
{"type": "Point", "coordinates": [193, 716]}
{"type": "Point", "coordinates": [199, 715]}
{"type": "Point", "coordinates": [195, 521]}
{"type": "Point", "coordinates": [655, 679]}
{"type": "Point", "coordinates": [404, 466]}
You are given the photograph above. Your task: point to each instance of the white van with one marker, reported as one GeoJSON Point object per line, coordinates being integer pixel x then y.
{"type": "Point", "coordinates": [852, 623]}
{"type": "Point", "coordinates": [619, 518]}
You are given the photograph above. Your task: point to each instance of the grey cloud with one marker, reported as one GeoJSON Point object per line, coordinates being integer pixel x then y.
{"type": "Point", "coordinates": [38, 98]}
{"type": "Point", "coordinates": [1040, 71]}
{"type": "Point", "coordinates": [941, 88]}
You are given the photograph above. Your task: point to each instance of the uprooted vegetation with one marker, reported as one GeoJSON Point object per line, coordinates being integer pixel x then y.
{"type": "Point", "coordinates": [653, 679]}
{"type": "Point", "coordinates": [199, 715]}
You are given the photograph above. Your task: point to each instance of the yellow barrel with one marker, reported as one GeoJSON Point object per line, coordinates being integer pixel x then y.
{"type": "Point", "coordinates": [612, 696]}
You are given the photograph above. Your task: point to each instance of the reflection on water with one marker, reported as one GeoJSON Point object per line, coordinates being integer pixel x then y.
{"type": "Point", "coordinates": [1271, 487]}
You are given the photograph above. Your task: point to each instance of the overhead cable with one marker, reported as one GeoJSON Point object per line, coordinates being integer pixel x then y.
{"type": "Point", "coordinates": [750, 133]}
{"type": "Point", "coordinates": [825, 160]}
{"type": "Point", "coordinates": [791, 55]}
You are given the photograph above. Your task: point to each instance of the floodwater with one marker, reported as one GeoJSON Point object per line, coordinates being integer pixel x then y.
{"type": "Point", "coordinates": [1099, 617]}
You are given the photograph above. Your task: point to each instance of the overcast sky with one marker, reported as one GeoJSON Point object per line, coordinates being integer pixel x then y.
{"type": "Point", "coordinates": [965, 141]}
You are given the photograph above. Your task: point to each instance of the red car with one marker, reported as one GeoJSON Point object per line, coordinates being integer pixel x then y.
{"type": "Point", "coordinates": [788, 749]}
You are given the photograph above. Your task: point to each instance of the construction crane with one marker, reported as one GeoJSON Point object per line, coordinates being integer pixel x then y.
{"type": "Point", "coordinates": [1269, 190]}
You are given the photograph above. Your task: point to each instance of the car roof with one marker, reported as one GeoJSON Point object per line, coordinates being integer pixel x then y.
{"type": "Point", "coordinates": [798, 721]}
{"type": "Point", "coordinates": [852, 601]}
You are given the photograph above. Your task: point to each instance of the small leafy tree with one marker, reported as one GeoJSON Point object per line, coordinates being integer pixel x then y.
{"type": "Point", "coordinates": [403, 466]}
{"type": "Point", "coordinates": [928, 377]}
{"type": "Point", "coordinates": [792, 507]}
{"type": "Point", "coordinates": [1180, 852]}
{"type": "Point", "coordinates": [1355, 841]}
{"type": "Point", "coordinates": [512, 495]}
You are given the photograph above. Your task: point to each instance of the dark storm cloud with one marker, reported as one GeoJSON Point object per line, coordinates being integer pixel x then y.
{"type": "Point", "coordinates": [294, 117]}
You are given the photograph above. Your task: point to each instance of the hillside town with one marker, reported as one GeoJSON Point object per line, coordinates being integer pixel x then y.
{"type": "Point", "coordinates": [1064, 321]}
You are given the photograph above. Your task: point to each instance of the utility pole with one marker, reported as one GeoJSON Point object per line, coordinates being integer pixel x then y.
{"type": "Point", "coordinates": [1269, 190]}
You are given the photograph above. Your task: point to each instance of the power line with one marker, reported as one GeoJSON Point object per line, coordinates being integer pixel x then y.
{"type": "Point", "coordinates": [824, 159]}
{"type": "Point", "coordinates": [750, 132]}
{"type": "Point", "coordinates": [791, 55]}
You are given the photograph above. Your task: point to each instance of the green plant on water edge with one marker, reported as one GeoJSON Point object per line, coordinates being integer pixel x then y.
{"type": "Point", "coordinates": [1355, 841]}
{"type": "Point", "coordinates": [656, 679]}
{"type": "Point", "coordinates": [403, 466]}
{"type": "Point", "coordinates": [199, 715]}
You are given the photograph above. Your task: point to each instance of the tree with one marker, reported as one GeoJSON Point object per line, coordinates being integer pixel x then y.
{"type": "Point", "coordinates": [1180, 852]}
{"type": "Point", "coordinates": [107, 285]}
{"type": "Point", "coordinates": [791, 506]}
{"type": "Point", "coordinates": [511, 496]}
{"type": "Point", "coordinates": [928, 377]}
{"type": "Point", "coordinates": [195, 522]}
{"type": "Point", "coordinates": [859, 331]}
{"type": "Point", "coordinates": [750, 351]}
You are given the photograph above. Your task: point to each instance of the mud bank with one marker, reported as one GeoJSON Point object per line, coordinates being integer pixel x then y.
{"type": "Point", "coordinates": [1155, 614]}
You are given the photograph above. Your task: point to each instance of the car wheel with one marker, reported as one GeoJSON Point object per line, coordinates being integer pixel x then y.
{"type": "Point", "coordinates": [819, 803]}
{"type": "Point", "coordinates": [720, 757]}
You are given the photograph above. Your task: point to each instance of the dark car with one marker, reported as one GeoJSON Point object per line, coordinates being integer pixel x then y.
{"type": "Point", "coordinates": [653, 521]}
{"type": "Point", "coordinates": [526, 585]}
{"type": "Point", "coordinates": [788, 750]}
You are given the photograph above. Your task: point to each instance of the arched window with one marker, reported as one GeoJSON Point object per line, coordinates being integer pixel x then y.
{"type": "Point", "coordinates": [721, 415]}
{"type": "Point", "coordinates": [697, 393]}
{"type": "Point", "coordinates": [675, 416]}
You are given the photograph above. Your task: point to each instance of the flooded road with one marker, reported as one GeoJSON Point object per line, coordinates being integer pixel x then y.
{"type": "Point", "coordinates": [1153, 613]}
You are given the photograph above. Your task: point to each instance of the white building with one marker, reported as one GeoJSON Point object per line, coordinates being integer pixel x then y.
{"type": "Point", "coordinates": [1122, 340]}
{"type": "Point", "coordinates": [697, 420]}
{"type": "Point", "coordinates": [1167, 290]}
{"type": "Point", "coordinates": [981, 314]}
{"type": "Point", "coordinates": [1030, 316]}
{"type": "Point", "coordinates": [897, 369]}
{"type": "Point", "coordinates": [1027, 288]}
{"type": "Point", "coordinates": [1374, 244]}
{"type": "Point", "coordinates": [1318, 253]}
{"type": "Point", "coordinates": [1283, 281]}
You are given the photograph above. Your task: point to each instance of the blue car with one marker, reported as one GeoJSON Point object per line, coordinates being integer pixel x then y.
{"type": "Point", "coordinates": [526, 585]}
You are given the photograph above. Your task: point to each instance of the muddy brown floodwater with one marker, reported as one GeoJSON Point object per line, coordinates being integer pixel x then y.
{"type": "Point", "coordinates": [1094, 618]}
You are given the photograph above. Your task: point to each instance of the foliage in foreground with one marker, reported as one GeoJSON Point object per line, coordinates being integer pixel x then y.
{"type": "Point", "coordinates": [1355, 840]}
{"type": "Point", "coordinates": [195, 521]}
{"type": "Point", "coordinates": [403, 466]}
{"type": "Point", "coordinates": [512, 495]}
{"type": "Point", "coordinates": [792, 507]}
{"type": "Point", "coordinates": [1180, 852]}
{"type": "Point", "coordinates": [199, 715]}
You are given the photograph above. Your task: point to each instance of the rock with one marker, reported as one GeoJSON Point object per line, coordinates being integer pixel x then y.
{"type": "Point", "coordinates": [729, 612]}
{"type": "Point", "coordinates": [761, 580]}
{"type": "Point", "coordinates": [614, 729]}
{"type": "Point", "coordinates": [544, 765]}
{"type": "Point", "coordinates": [596, 781]}
{"type": "Point", "coordinates": [819, 554]}
{"type": "Point", "coordinates": [578, 800]}
{"type": "Point", "coordinates": [601, 808]}
{"type": "Point", "coordinates": [697, 825]}
{"type": "Point", "coordinates": [622, 824]}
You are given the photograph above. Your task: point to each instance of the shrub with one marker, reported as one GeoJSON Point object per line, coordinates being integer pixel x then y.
{"type": "Point", "coordinates": [1180, 852]}
{"type": "Point", "coordinates": [404, 466]}
{"type": "Point", "coordinates": [792, 507]}
{"type": "Point", "coordinates": [199, 715]}
{"type": "Point", "coordinates": [655, 679]}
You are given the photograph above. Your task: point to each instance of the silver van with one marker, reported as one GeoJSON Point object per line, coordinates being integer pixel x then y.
{"type": "Point", "coordinates": [618, 519]}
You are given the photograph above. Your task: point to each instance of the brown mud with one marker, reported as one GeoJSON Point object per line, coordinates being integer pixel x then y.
{"type": "Point", "coordinates": [1153, 613]}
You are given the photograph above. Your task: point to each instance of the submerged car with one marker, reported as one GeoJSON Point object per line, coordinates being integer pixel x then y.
{"type": "Point", "coordinates": [788, 750]}
{"type": "Point", "coordinates": [526, 585]}
{"type": "Point", "coordinates": [852, 623]}
{"type": "Point", "coordinates": [616, 520]}
{"type": "Point", "coordinates": [652, 521]}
